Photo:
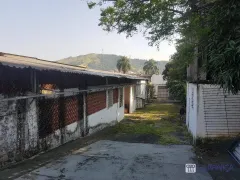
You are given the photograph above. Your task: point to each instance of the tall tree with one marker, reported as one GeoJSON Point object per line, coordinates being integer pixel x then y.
{"type": "Point", "coordinates": [123, 64]}
{"type": "Point", "coordinates": [211, 26]}
{"type": "Point", "coordinates": [150, 67]}
{"type": "Point", "coordinates": [175, 72]}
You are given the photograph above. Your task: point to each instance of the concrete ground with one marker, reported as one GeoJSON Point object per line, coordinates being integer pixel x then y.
{"type": "Point", "coordinates": [112, 160]}
{"type": "Point", "coordinates": [149, 144]}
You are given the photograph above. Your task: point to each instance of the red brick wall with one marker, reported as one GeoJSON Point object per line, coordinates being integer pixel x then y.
{"type": "Point", "coordinates": [115, 96]}
{"type": "Point", "coordinates": [71, 110]}
{"type": "Point", "coordinates": [50, 114]}
{"type": "Point", "coordinates": [95, 102]}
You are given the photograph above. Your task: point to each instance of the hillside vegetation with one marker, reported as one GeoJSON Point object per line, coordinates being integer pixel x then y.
{"type": "Point", "coordinates": [107, 62]}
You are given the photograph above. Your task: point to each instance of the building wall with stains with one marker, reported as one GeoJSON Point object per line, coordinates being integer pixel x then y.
{"type": "Point", "coordinates": [192, 108]}
{"type": "Point", "coordinates": [133, 99]}
{"type": "Point", "coordinates": [211, 112]}
{"type": "Point", "coordinates": [100, 113]}
{"type": "Point", "coordinates": [29, 126]}
{"type": "Point", "coordinates": [18, 128]}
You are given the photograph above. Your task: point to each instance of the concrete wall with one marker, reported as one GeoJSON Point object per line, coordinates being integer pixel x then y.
{"type": "Point", "coordinates": [141, 89]}
{"type": "Point", "coordinates": [107, 115]}
{"type": "Point", "coordinates": [18, 128]}
{"type": "Point", "coordinates": [140, 103]}
{"type": "Point", "coordinates": [31, 124]}
{"type": "Point", "coordinates": [20, 119]}
{"type": "Point", "coordinates": [221, 111]}
{"type": "Point", "coordinates": [217, 112]}
{"type": "Point", "coordinates": [141, 94]}
{"type": "Point", "coordinates": [192, 108]}
{"type": "Point", "coordinates": [157, 80]}
{"type": "Point", "coordinates": [133, 101]}
{"type": "Point", "coordinates": [8, 129]}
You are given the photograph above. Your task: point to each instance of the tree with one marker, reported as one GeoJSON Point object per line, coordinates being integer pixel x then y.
{"type": "Point", "coordinates": [175, 72]}
{"type": "Point", "coordinates": [211, 26]}
{"type": "Point", "coordinates": [157, 19]}
{"type": "Point", "coordinates": [123, 64]}
{"type": "Point", "coordinates": [150, 67]}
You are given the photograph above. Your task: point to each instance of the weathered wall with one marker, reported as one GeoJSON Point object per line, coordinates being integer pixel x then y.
{"type": "Point", "coordinates": [157, 80]}
{"type": "Point", "coordinates": [141, 89]}
{"type": "Point", "coordinates": [8, 130]}
{"type": "Point", "coordinates": [18, 128]}
{"type": "Point", "coordinates": [141, 94]}
{"type": "Point", "coordinates": [192, 108]}
{"type": "Point", "coordinates": [132, 99]}
{"type": "Point", "coordinates": [140, 103]}
{"type": "Point", "coordinates": [211, 112]}
{"type": "Point", "coordinates": [20, 133]}
{"type": "Point", "coordinates": [96, 101]}
{"type": "Point", "coordinates": [32, 125]}
{"type": "Point", "coordinates": [105, 116]}
{"type": "Point", "coordinates": [221, 113]}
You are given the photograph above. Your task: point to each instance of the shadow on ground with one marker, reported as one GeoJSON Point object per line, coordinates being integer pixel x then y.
{"type": "Point", "coordinates": [215, 152]}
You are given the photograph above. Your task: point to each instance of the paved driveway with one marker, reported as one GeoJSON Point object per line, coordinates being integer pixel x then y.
{"type": "Point", "coordinates": [112, 160]}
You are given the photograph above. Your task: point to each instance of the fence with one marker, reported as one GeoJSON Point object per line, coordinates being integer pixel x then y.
{"type": "Point", "coordinates": [32, 124]}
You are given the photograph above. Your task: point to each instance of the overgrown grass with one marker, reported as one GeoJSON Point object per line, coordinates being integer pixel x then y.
{"type": "Point", "coordinates": [160, 120]}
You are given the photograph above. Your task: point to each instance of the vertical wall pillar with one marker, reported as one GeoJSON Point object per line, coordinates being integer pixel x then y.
{"type": "Point", "coordinates": [85, 118]}
{"type": "Point", "coordinates": [62, 115]}
{"type": "Point", "coordinates": [33, 80]}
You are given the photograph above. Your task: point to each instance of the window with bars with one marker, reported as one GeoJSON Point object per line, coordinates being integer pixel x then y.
{"type": "Point", "coordinates": [110, 98]}
{"type": "Point", "coordinates": [120, 97]}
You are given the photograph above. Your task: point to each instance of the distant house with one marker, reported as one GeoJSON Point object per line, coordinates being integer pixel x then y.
{"type": "Point", "coordinates": [211, 112]}
{"type": "Point", "coordinates": [160, 88]}
{"type": "Point", "coordinates": [45, 104]}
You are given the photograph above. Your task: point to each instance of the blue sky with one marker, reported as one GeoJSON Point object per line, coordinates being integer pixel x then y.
{"type": "Point", "coordinates": [55, 29]}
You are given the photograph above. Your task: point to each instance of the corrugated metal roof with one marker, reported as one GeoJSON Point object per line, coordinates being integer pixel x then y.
{"type": "Point", "coordinates": [19, 61]}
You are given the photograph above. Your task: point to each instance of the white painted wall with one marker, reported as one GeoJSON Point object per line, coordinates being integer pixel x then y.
{"type": "Point", "coordinates": [133, 101]}
{"type": "Point", "coordinates": [139, 103]}
{"type": "Point", "coordinates": [157, 80]}
{"type": "Point", "coordinates": [106, 116]}
{"type": "Point", "coordinates": [70, 132]}
{"type": "Point", "coordinates": [192, 108]}
{"type": "Point", "coordinates": [141, 89]}
{"type": "Point", "coordinates": [201, 125]}
{"type": "Point", "coordinates": [217, 113]}
{"type": "Point", "coordinates": [221, 111]}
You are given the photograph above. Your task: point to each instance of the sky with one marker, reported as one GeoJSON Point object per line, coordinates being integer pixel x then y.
{"type": "Point", "coordinates": [56, 29]}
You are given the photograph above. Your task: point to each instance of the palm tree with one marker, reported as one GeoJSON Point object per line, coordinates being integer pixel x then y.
{"type": "Point", "coordinates": [150, 67]}
{"type": "Point", "coordinates": [123, 64]}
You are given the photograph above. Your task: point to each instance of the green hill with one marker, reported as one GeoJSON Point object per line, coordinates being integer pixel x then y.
{"type": "Point", "coordinates": [107, 62]}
